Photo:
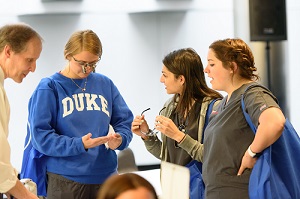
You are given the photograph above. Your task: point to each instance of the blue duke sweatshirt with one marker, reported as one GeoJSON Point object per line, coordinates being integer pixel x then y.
{"type": "Point", "coordinates": [60, 113]}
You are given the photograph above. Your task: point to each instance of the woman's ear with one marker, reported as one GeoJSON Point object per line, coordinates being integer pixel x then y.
{"type": "Point", "coordinates": [68, 56]}
{"type": "Point", "coordinates": [234, 67]}
{"type": "Point", "coordinates": [181, 79]}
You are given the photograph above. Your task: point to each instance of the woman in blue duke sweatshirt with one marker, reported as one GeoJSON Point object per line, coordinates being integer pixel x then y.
{"type": "Point", "coordinates": [69, 117]}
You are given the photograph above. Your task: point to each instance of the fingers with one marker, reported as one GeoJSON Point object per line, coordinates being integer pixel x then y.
{"type": "Point", "coordinates": [115, 142]}
{"type": "Point", "coordinates": [158, 125]}
{"type": "Point", "coordinates": [138, 120]}
{"type": "Point", "coordinates": [87, 136]}
{"type": "Point", "coordinates": [135, 125]}
{"type": "Point", "coordinates": [101, 140]}
{"type": "Point", "coordinates": [116, 135]}
{"type": "Point", "coordinates": [139, 124]}
{"type": "Point", "coordinates": [162, 120]}
{"type": "Point", "coordinates": [85, 139]}
{"type": "Point", "coordinates": [247, 163]}
{"type": "Point", "coordinates": [158, 119]}
{"type": "Point", "coordinates": [241, 170]}
{"type": "Point", "coordinates": [89, 142]}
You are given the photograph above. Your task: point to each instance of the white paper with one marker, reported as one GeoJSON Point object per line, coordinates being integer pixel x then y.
{"type": "Point", "coordinates": [175, 181]}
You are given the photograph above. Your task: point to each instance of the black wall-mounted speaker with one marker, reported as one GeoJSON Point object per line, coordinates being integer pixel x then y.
{"type": "Point", "coordinates": [267, 20]}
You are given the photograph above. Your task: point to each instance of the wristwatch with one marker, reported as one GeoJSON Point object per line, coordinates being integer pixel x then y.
{"type": "Point", "coordinates": [251, 153]}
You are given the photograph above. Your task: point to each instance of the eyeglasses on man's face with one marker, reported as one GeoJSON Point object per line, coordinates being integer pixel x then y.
{"type": "Point", "coordinates": [84, 65]}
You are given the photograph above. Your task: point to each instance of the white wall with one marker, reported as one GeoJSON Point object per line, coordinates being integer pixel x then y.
{"type": "Point", "coordinates": [293, 68]}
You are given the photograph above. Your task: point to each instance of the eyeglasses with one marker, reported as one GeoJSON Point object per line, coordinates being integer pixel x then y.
{"type": "Point", "coordinates": [154, 131]}
{"type": "Point", "coordinates": [84, 64]}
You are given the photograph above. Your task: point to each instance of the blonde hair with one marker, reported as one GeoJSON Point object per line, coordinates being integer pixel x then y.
{"type": "Point", "coordinates": [84, 40]}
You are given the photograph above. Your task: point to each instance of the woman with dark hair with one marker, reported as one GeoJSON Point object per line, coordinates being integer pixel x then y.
{"type": "Point", "coordinates": [183, 116]}
{"type": "Point", "coordinates": [127, 186]}
{"type": "Point", "coordinates": [231, 147]}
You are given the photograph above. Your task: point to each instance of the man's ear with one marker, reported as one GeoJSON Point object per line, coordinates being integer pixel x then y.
{"type": "Point", "coordinates": [7, 50]}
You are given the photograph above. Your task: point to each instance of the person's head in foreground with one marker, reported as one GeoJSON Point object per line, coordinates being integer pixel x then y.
{"type": "Point", "coordinates": [127, 186]}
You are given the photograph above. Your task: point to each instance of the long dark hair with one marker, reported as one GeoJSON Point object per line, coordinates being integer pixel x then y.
{"type": "Point", "coordinates": [187, 62]}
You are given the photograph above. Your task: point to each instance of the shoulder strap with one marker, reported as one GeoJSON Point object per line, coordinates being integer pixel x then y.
{"type": "Point", "coordinates": [208, 112]}
{"type": "Point", "coordinates": [247, 116]}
